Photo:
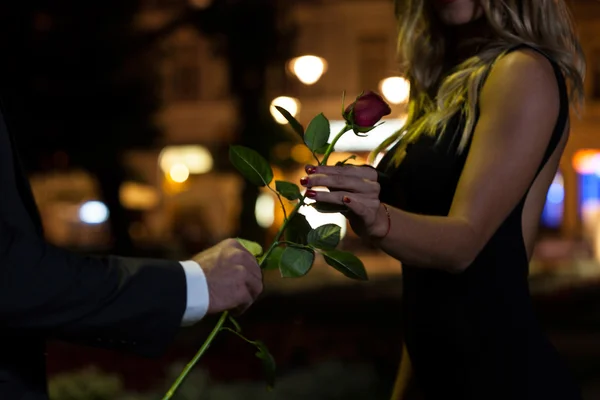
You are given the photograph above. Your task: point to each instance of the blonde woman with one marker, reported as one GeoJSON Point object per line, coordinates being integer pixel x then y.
{"type": "Point", "coordinates": [458, 197]}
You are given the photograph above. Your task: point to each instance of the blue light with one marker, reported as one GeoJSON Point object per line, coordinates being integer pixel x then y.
{"type": "Point", "coordinates": [93, 212]}
{"type": "Point", "coordinates": [556, 193]}
{"type": "Point", "coordinates": [552, 214]}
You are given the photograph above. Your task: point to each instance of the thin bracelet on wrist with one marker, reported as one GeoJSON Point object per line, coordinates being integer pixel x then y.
{"type": "Point", "coordinates": [377, 239]}
{"type": "Point", "coordinates": [389, 220]}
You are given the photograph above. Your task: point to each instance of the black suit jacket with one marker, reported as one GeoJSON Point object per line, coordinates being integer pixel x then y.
{"type": "Point", "coordinates": [45, 292]}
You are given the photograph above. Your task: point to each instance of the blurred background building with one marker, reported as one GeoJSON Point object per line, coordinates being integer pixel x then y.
{"type": "Point", "coordinates": [184, 196]}
{"type": "Point", "coordinates": [180, 193]}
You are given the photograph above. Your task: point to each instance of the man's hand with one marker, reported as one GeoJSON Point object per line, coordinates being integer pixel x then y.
{"type": "Point", "coordinates": [233, 276]}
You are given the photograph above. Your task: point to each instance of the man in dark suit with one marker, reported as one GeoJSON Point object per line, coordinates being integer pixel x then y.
{"type": "Point", "coordinates": [128, 304]}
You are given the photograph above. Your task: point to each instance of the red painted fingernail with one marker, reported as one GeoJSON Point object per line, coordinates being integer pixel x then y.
{"type": "Point", "coordinates": [304, 181]}
{"type": "Point", "coordinates": [311, 194]}
{"type": "Point", "coordinates": [346, 199]}
{"type": "Point", "coordinates": [310, 169]}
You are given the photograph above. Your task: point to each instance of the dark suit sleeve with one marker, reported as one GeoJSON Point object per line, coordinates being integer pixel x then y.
{"type": "Point", "coordinates": [112, 302]}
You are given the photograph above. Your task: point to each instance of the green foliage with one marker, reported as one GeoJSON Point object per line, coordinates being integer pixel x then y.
{"type": "Point", "coordinates": [268, 363]}
{"type": "Point", "coordinates": [86, 384]}
{"type": "Point", "coordinates": [295, 254]}
{"type": "Point", "coordinates": [295, 244]}
{"type": "Point", "coordinates": [326, 381]}
{"type": "Point", "coordinates": [295, 262]}
{"type": "Point", "coordinates": [274, 258]}
{"type": "Point", "coordinates": [347, 263]}
{"type": "Point", "coordinates": [323, 149]}
{"type": "Point", "coordinates": [289, 190]}
{"type": "Point", "coordinates": [254, 248]}
{"type": "Point", "coordinates": [344, 162]}
{"type": "Point", "coordinates": [297, 230]}
{"type": "Point", "coordinates": [251, 165]}
{"type": "Point", "coordinates": [325, 237]}
{"type": "Point", "coordinates": [331, 380]}
{"type": "Point", "coordinates": [317, 133]}
{"type": "Point", "coordinates": [296, 126]}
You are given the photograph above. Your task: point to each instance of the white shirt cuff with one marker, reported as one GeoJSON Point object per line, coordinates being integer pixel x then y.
{"type": "Point", "coordinates": [197, 293]}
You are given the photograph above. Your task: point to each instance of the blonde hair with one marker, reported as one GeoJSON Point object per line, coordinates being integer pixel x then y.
{"type": "Point", "coordinates": [544, 24]}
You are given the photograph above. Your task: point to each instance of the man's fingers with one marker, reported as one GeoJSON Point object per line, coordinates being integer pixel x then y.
{"type": "Point", "coordinates": [245, 300]}
{"type": "Point", "coordinates": [254, 284]}
{"type": "Point", "coordinates": [246, 259]}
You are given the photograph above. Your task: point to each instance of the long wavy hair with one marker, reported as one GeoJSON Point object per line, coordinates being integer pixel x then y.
{"type": "Point", "coordinates": [435, 99]}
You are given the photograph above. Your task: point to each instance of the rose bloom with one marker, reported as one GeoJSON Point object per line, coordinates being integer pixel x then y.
{"type": "Point", "coordinates": [367, 110]}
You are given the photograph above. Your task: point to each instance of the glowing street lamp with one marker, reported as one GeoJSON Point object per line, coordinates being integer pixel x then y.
{"type": "Point", "coordinates": [308, 69]}
{"type": "Point", "coordinates": [291, 104]}
{"type": "Point", "coordinates": [395, 89]}
{"type": "Point", "coordinates": [179, 173]}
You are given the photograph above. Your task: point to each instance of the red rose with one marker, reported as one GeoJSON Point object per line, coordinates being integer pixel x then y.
{"type": "Point", "coordinates": [366, 111]}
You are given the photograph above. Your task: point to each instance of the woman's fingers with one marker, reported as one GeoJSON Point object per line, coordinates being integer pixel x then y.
{"type": "Point", "coordinates": [364, 208]}
{"type": "Point", "coordinates": [363, 172]}
{"type": "Point", "coordinates": [342, 182]}
{"type": "Point", "coordinates": [328, 197]}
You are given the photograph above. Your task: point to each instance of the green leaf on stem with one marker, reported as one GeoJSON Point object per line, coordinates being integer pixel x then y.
{"type": "Point", "coordinates": [296, 126]}
{"type": "Point", "coordinates": [254, 248]}
{"type": "Point", "coordinates": [273, 259]}
{"type": "Point", "coordinates": [289, 190]}
{"type": "Point", "coordinates": [342, 163]}
{"type": "Point", "coordinates": [268, 363]}
{"type": "Point", "coordinates": [323, 149]}
{"type": "Point", "coordinates": [347, 263]}
{"type": "Point", "coordinates": [296, 261]}
{"type": "Point", "coordinates": [317, 132]}
{"type": "Point", "coordinates": [251, 165]}
{"type": "Point", "coordinates": [325, 237]}
{"type": "Point", "coordinates": [328, 208]}
{"type": "Point", "coordinates": [297, 230]}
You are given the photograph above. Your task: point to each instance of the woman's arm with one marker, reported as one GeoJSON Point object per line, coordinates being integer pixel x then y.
{"type": "Point", "coordinates": [519, 106]}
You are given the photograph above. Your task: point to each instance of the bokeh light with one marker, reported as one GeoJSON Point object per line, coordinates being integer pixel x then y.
{"type": "Point", "coordinates": [93, 212]}
{"type": "Point", "coordinates": [290, 104]}
{"type": "Point", "coordinates": [179, 173]}
{"type": "Point", "coordinates": [308, 69]}
{"type": "Point", "coordinates": [395, 89]}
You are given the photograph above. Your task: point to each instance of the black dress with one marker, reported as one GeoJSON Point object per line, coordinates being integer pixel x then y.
{"type": "Point", "coordinates": [473, 335]}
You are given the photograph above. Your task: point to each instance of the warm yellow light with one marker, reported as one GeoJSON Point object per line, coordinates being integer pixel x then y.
{"type": "Point", "coordinates": [301, 154]}
{"type": "Point", "coordinates": [137, 196]}
{"type": "Point", "coordinates": [395, 89]}
{"type": "Point", "coordinates": [197, 159]}
{"type": "Point", "coordinates": [179, 173]}
{"type": "Point", "coordinates": [291, 104]}
{"type": "Point", "coordinates": [264, 210]}
{"type": "Point", "coordinates": [308, 69]}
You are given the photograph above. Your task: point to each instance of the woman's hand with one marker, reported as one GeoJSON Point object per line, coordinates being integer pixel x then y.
{"type": "Point", "coordinates": [357, 188]}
